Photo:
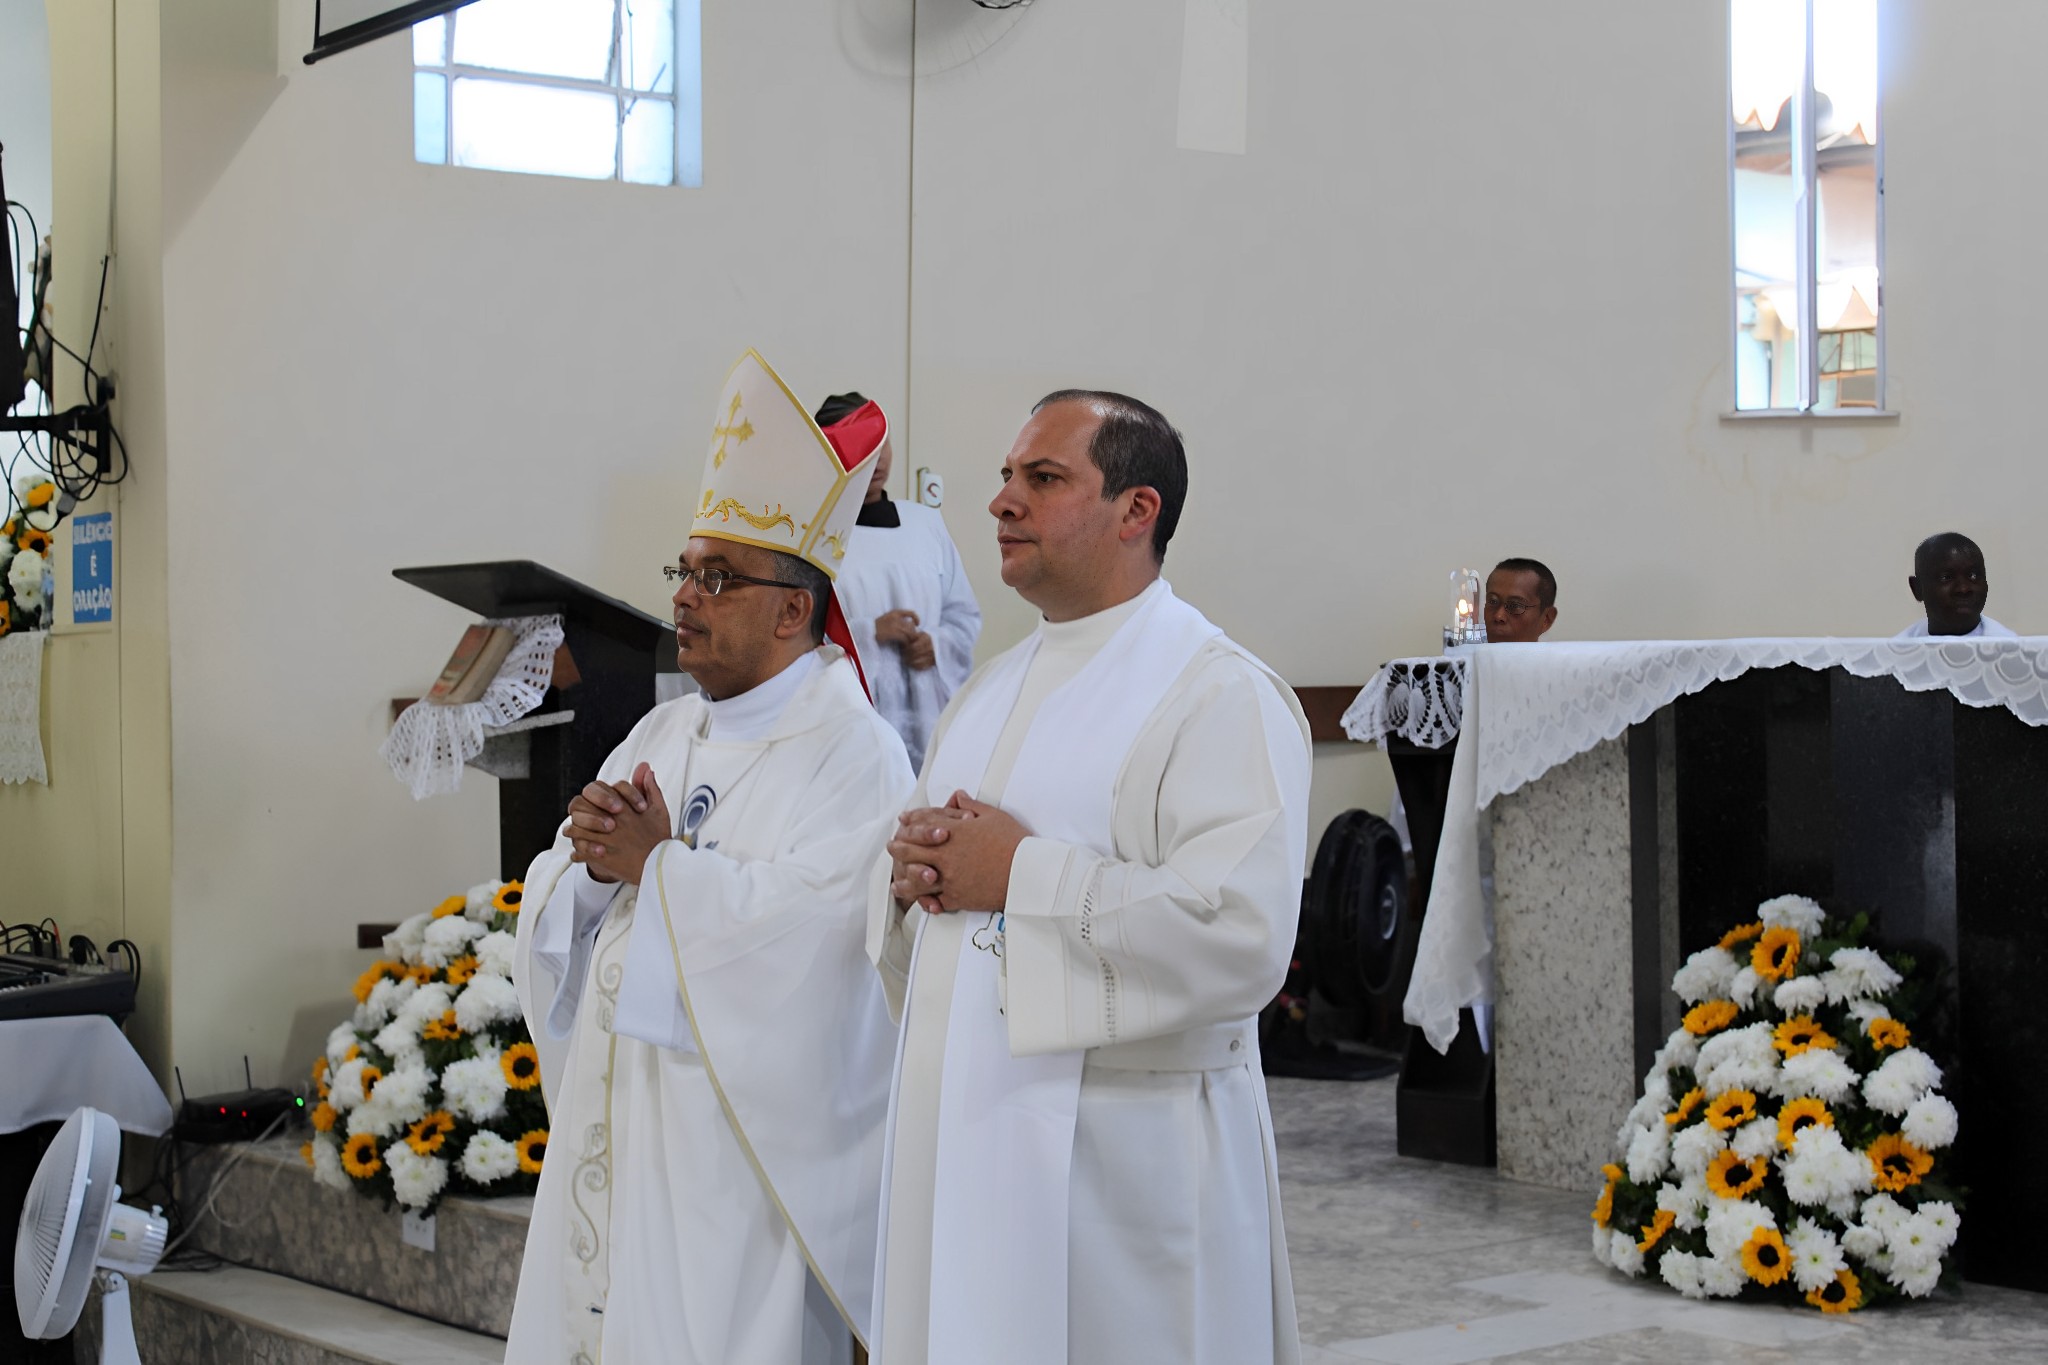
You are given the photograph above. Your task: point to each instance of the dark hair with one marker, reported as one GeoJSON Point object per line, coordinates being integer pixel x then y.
{"type": "Point", "coordinates": [838, 406]}
{"type": "Point", "coordinates": [1135, 447]}
{"type": "Point", "coordinates": [1941, 543]}
{"type": "Point", "coordinates": [811, 579]}
{"type": "Point", "coordinates": [1546, 581]}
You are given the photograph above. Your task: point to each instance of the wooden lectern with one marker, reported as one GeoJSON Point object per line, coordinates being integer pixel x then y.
{"type": "Point", "coordinates": [601, 689]}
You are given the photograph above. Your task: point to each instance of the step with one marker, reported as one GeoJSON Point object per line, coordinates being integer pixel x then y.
{"type": "Point", "coordinates": [234, 1316]}
{"type": "Point", "coordinates": [268, 1213]}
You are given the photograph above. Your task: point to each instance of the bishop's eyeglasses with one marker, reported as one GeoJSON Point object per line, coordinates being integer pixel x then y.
{"type": "Point", "coordinates": [712, 582]}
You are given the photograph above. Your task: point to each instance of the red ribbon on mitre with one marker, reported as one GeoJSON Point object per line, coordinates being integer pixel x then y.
{"type": "Point", "coordinates": [853, 438]}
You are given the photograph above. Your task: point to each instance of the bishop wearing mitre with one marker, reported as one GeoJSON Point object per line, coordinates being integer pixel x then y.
{"type": "Point", "coordinates": [1091, 896]}
{"type": "Point", "coordinates": [714, 1045]}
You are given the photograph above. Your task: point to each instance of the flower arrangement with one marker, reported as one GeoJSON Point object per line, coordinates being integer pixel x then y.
{"type": "Point", "coordinates": [433, 1086]}
{"type": "Point", "coordinates": [1789, 1137]}
{"type": "Point", "coordinates": [25, 539]}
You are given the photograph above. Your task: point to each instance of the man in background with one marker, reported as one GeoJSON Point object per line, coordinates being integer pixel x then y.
{"type": "Point", "coordinates": [1948, 579]}
{"type": "Point", "coordinates": [1521, 602]}
{"type": "Point", "coordinates": [905, 593]}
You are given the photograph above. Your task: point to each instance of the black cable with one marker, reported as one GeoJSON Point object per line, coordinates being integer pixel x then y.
{"type": "Point", "coordinates": [134, 955]}
{"type": "Point", "coordinates": [99, 310]}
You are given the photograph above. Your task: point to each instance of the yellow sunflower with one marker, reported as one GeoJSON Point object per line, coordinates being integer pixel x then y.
{"type": "Point", "coordinates": [320, 1068]}
{"type": "Point", "coordinates": [355, 1050]}
{"type": "Point", "coordinates": [1730, 1109]}
{"type": "Point", "coordinates": [6, 617]}
{"type": "Point", "coordinates": [1896, 1164]}
{"type": "Point", "coordinates": [323, 1090]}
{"type": "Point", "coordinates": [1765, 1258]}
{"type": "Point", "coordinates": [1838, 1295]}
{"type": "Point", "coordinates": [1799, 1115]}
{"type": "Point", "coordinates": [376, 972]}
{"type": "Point", "coordinates": [1731, 1177]}
{"type": "Point", "coordinates": [1685, 1107]}
{"type": "Point", "coordinates": [1603, 1207]}
{"type": "Point", "coordinates": [359, 1156]}
{"type": "Point", "coordinates": [521, 1065]}
{"type": "Point", "coordinates": [1708, 1016]}
{"type": "Point", "coordinates": [306, 1152]}
{"type": "Point", "coordinates": [442, 1030]}
{"type": "Point", "coordinates": [422, 973]}
{"type": "Point", "coordinates": [32, 539]}
{"type": "Point", "coordinates": [1741, 934]}
{"type": "Point", "coordinates": [1654, 1230]}
{"type": "Point", "coordinates": [40, 495]}
{"type": "Point", "coordinates": [454, 905]}
{"type": "Point", "coordinates": [325, 1116]}
{"type": "Point", "coordinates": [462, 969]}
{"type": "Point", "coordinates": [429, 1134]}
{"type": "Point", "coordinates": [1800, 1034]}
{"type": "Point", "coordinates": [1888, 1033]}
{"type": "Point", "coordinates": [533, 1149]}
{"type": "Point", "coordinates": [13, 525]}
{"type": "Point", "coordinates": [371, 1075]}
{"type": "Point", "coordinates": [1776, 955]}
{"type": "Point", "coordinates": [506, 902]}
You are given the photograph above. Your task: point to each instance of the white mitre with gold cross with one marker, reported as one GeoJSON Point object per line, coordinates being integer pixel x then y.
{"type": "Point", "coordinates": [773, 479]}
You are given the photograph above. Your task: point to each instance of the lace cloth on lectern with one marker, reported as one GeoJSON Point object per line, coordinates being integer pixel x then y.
{"type": "Point", "coordinates": [429, 744]}
{"type": "Point", "coordinates": [21, 707]}
{"type": "Point", "coordinates": [1421, 700]}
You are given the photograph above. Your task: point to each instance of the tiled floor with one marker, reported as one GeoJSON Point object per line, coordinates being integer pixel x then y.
{"type": "Point", "coordinates": [1419, 1263]}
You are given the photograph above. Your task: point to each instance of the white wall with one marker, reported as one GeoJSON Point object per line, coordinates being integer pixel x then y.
{"type": "Point", "coordinates": [25, 114]}
{"type": "Point", "coordinates": [375, 363]}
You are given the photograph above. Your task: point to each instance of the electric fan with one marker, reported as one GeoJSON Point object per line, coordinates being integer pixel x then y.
{"type": "Point", "coordinates": [73, 1224]}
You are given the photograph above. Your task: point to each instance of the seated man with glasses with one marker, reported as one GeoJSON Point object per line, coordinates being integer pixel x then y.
{"type": "Point", "coordinates": [692, 961]}
{"type": "Point", "coordinates": [1521, 602]}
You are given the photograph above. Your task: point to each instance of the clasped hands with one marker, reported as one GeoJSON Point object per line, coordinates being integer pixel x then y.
{"type": "Point", "coordinates": [613, 827]}
{"type": "Point", "coordinates": [954, 857]}
{"type": "Point", "coordinates": [900, 628]}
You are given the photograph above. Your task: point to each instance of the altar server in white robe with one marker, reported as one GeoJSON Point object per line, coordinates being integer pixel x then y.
{"type": "Point", "coordinates": [908, 603]}
{"type": "Point", "coordinates": [715, 1049]}
{"type": "Point", "coordinates": [1092, 896]}
{"type": "Point", "coordinates": [1949, 581]}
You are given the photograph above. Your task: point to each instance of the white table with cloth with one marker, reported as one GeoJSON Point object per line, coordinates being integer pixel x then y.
{"type": "Point", "coordinates": [49, 1067]}
{"type": "Point", "coordinates": [1555, 711]}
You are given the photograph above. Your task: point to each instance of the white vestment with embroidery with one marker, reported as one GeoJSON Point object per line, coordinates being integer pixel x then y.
{"type": "Point", "coordinates": [714, 1048]}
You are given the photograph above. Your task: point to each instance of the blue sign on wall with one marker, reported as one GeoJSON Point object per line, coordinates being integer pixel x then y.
{"type": "Point", "coordinates": [92, 568]}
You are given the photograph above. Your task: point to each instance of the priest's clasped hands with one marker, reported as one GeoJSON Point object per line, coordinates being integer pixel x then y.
{"type": "Point", "coordinates": [954, 857]}
{"type": "Point", "coordinates": [613, 827]}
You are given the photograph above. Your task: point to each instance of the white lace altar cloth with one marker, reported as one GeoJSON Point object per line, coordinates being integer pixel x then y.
{"type": "Point", "coordinates": [1527, 709]}
{"type": "Point", "coordinates": [21, 707]}
{"type": "Point", "coordinates": [1421, 700]}
{"type": "Point", "coordinates": [429, 743]}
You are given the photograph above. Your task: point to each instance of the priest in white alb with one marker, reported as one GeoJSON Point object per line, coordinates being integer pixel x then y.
{"type": "Point", "coordinates": [1091, 896]}
{"type": "Point", "coordinates": [714, 1047]}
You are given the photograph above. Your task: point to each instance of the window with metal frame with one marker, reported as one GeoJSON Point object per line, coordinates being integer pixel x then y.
{"type": "Point", "coordinates": [1806, 200]}
{"type": "Point", "coordinates": [593, 89]}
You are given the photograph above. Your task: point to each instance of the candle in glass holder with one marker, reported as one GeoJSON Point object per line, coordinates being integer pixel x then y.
{"type": "Point", "coordinates": [1468, 624]}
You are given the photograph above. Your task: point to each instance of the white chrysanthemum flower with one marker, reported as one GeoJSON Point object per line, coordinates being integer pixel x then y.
{"type": "Point", "coordinates": [42, 518]}
{"type": "Point", "coordinates": [1649, 1154]}
{"type": "Point", "coordinates": [1723, 1276]}
{"type": "Point", "coordinates": [1930, 1122]}
{"type": "Point", "coordinates": [404, 941]}
{"type": "Point", "coordinates": [1914, 1243]}
{"type": "Point", "coordinates": [1863, 1011]}
{"type": "Point", "coordinates": [387, 997]}
{"type": "Point", "coordinates": [1681, 1270]}
{"type": "Point", "coordinates": [1816, 1255]}
{"type": "Point", "coordinates": [1600, 1243]}
{"type": "Point", "coordinates": [489, 1158]}
{"type": "Point", "coordinates": [1842, 1206]}
{"type": "Point", "coordinates": [487, 999]}
{"type": "Point", "coordinates": [1862, 1241]}
{"type": "Point", "coordinates": [405, 1091]}
{"type": "Point", "coordinates": [1683, 1203]}
{"type": "Point", "coordinates": [1758, 1137]}
{"type": "Point", "coordinates": [327, 1164]}
{"type": "Point", "coordinates": [1858, 973]}
{"type": "Point", "coordinates": [25, 576]}
{"type": "Point", "coordinates": [345, 1090]}
{"type": "Point", "coordinates": [1821, 1073]}
{"type": "Point", "coordinates": [1730, 1223]}
{"type": "Point", "coordinates": [474, 1088]}
{"type": "Point", "coordinates": [1624, 1255]}
{"type": "Point", "coordinates": [1706, 975]}
{"type": "Point", "coordinates": [1899, 1080]}
{"type": "Point", "coordinates": [1796, 913]}
{"type": "Point", "coordinates": [495, 951]}
{"type": "Point", "coordinates": [401, 1035]}
{"type": "Point", "coordinates": [1884, 1213]}
{"type": "Point", "coordinates": [1740, 1059]}
{"type": "Point", "coordinates": [1942, 1219]}
{"type": "Point", "coordinates": [1742, 990]}
{"type": "Point", "coordinates": [477, 901]}
{"type": "Point", "coordinates": [1695, 1148]}
{"type": "Point", "coordinates": [448, 938]}
{"type": "Point", "coordinates": [1680, 1049]}
{"type": "Point", "coordinates": [1915, 1282]}
{"type": "Point", "coordinates": [415, 1179]}
{"type": "Point", "coordinates": [1807, 1183]}
{"type": "Point", "coordinates": [1650, 1107]}
{"type": "Point", "coordinates": [339, 1041]}
{"type": "Point", "coordinates": [428, 1003]}
{"type": "Point", "coordinates": [1800, 995]}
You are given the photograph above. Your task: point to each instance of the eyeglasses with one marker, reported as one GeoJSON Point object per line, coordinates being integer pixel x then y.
{"type": "Point", "coordinates": [1513, 606]}
{"type": "Point", "coordinates": [711, 582]}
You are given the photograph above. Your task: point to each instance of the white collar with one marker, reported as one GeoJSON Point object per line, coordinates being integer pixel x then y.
{"type": "Point", "coordinates": [753, 713]}
{"type": "Point", "coordinates": [1086, 634]}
